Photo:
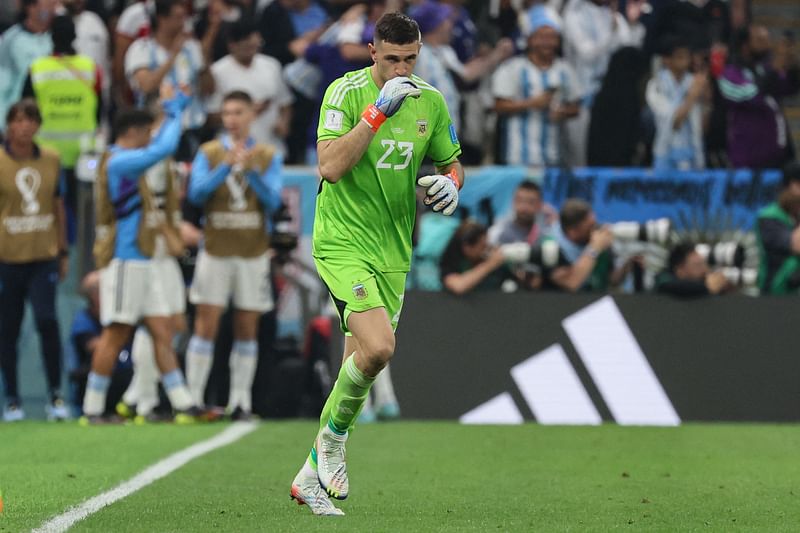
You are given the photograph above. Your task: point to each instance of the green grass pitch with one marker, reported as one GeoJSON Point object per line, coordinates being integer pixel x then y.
{"type": "Point", "coordinates": [414, 476]}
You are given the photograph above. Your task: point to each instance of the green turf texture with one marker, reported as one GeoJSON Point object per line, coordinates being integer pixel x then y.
{"type": "Point", "coordinates": [418, 477]}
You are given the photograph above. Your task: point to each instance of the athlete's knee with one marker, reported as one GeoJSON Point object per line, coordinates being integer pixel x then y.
{"type": "Point", "coordinates": [379, 352]}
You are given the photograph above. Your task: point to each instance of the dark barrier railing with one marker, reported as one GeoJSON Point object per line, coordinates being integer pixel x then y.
{"type": "Point", "coordinates": [583, 359]}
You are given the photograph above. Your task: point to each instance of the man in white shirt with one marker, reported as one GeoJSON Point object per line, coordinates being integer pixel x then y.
{"type": "Point", "coordinates": [170, 55]}
{"type": "Point", "coordinates": [259, 75]}
{"type": "Point", "coordinates": [133, 23]}
{"type": "Point", "coordinates": [593, 31]}
{"type": "Point", "coordinates": [536, 93]}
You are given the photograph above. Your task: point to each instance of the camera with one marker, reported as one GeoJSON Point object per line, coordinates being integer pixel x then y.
{"type": "Point", "coordinates": [722, 254]}
{"type": "Point", "coordinates": [655, 231]}
{"type": "Point", "coordinates": [283, 240]}
{"type": "Point", "coordinates": [545, 255]}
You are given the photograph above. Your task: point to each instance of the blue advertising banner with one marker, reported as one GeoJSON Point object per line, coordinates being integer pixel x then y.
{"type": "Point", "coordinates": [734, 196]}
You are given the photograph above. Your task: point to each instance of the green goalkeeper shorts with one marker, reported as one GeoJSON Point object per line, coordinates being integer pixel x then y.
{"type": "Point", "coordinates": [355, 287]}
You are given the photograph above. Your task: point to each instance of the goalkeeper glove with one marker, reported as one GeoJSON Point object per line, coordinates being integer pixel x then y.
{"type": "Point", "coordinates": [442, 191]}
{"type": "Point", "coordinates": [389, 101]}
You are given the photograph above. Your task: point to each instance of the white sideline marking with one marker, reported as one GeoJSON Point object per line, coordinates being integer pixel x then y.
{"type": "Point", "coordinates": [152, 473]}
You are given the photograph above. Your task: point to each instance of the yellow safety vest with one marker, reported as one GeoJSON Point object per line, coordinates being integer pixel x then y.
{"type": "Point", "coordinates": [65, 92]}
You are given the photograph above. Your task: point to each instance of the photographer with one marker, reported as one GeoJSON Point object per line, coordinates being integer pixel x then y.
{"type": "Point", "coordinates": [586, 262]}
{"type": "Point", "coordinates": [779, 238]}
{"type": "Point", "coordinates": [469, 263]}
{"type": "Point", "coordinates": [688, 275]}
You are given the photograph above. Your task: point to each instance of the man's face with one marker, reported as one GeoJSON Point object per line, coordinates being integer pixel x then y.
{"type": "Point", "coordinates": [582, 232]}
{"type": "Point", "coordinates": [476, 252]}
{"type": "Point", "coordinates": [174, 22]}
{"type": "Point", "coordinates": [42, 12]}
{"type": "Point", "coordinates": [544, 42]}
{"type": "Point", "coordinates": [245, 50]}
{"type": "Point", "coordinates": [694, 268]}
{"type": "Point", "coordinates": [679, 60]}
{"type": "Point", "coordinates": [527, 204]}
{"type": "Point", "coordinates": [22, 129]}
{"type": "Point", "coordinates": [237, 117]}
{"type": "Point", "coordinates": [759, 42]}
{"type": "Point", "coordinates": [393, 60]}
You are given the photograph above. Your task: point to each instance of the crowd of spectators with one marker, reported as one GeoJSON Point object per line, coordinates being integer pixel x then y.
{"type": "Point", "coordinates": [670, 83]}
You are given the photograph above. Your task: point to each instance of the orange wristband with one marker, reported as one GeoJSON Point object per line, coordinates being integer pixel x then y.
{"type": "Point", "coordinates": [373, 117]}
{"type": "Point", "coordinates": [453, 175]}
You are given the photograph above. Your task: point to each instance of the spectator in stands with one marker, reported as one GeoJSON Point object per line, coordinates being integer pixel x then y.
{"type": "Point", "coordinates": [133, 23]}
{"type": "Point", "coordinates": [20, 46]}
{"type": "Point", "coordinates": [67, 87]}
{"type": "Point", "coordinates": [586, 262]}
{"type": "Point", "coordinates": [289, 27]}
{"type": "Point", "coordinates": [778, 236]}
{"type": "Point", "coordinates": [260, 76]}
{"type": "Point", "coordinates": [33, 253]}
{"type": "Point", "coordinates": [616, 135]}
{"type": "Point", "coordinates": [469, 263]}
{"type": "Point", "coordinates": [465, 33]}
{"type": "Point", "coordinates": [84, 336]}
{"type": "Point", "coordinates": [214, 23]}
{"type": "Point", "coordinates": [438, 63]}
{"type": "Point", "coordinates": [688, 275]}
{"type": "Point", "coordinates": [593, 31]}
{"type": "Point", "coordinates": [536, 94]}
{"type": "Point", "coordinates": [91, 39]}
{"type": "Point", "coordinates": [530, 220]}
{"type": "Point", "coordinates": [680, 103]}
{"type": "Point", "coordinates": [171, 55]}
{"type": "Point", "coordinates": [753, 85]}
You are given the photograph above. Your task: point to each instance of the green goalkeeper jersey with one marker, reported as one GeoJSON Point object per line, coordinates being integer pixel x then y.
{"type": "Point", "coordinates": [369, 214]}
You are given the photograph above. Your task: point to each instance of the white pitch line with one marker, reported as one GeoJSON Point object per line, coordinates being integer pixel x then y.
{"type": "Point", "coordinates": [152, 473]}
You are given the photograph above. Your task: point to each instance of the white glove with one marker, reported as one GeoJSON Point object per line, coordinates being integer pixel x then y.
{"type": "Point", "coordinates": [394, 92]}
{"type": "Point", "coordinates": [442, 193]}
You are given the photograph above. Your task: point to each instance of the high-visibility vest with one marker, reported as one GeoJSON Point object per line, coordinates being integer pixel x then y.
{"type": "Point", "coordinates": [65, 92]}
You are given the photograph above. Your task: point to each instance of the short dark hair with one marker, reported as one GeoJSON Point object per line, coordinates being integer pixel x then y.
{"type": "Point", "coordinates": [238, 96]}
{"type": "Point", "coordinates": [791, 173]}
{"type": "Point", "coordinates": [132, 118]}
{"type": "Point", "coordinates": [679, 254]}
{"type": "Point", "coordinates": [241, 30]}
{"type": "Point", "coordinates": [162, 9]}
{"type": "Point", "coordinates": [26, 107]}
{"type": "Point", "coordinates": [397, 28]}
{"type": "Point", "coordinates": [62, 30]}
{"type": "Point", "coordinates": [531, 186]}
{"type": "Point", "coordinates": [573, 212]}
{"type": "Point", "coordinates": [671, 43]}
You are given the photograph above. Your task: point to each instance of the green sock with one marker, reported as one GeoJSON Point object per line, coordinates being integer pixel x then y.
{"type": "Point", "coordinates": [347, 397]}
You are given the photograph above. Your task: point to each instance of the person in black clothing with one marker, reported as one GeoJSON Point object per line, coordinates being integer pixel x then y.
{"type": "Point", "coordinates": [688, 275]}
{"type": "Point", "coordinates": [469, 263]}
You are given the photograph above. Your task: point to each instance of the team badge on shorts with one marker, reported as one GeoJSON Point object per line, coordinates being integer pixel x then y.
{"type": "Point", "coordinates": [360, 291]}
{"type": "Point", "coordinates": [422, 127]}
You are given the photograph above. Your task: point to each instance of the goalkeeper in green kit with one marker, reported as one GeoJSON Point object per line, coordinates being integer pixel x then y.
{"type": "Point", "coordinates": [376, 126]}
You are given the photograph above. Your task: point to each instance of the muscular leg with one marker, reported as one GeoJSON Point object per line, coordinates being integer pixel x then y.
{"type": "Point", "coordinates": [244, 359]}
{"type": "Point", "coordinates": [160, 329]}
{"type": "Point", "coordinates": [200, 351]}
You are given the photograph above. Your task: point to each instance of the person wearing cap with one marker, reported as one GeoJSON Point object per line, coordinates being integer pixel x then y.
{"type": "Point", "coordinates": [535, 94]}
{"type": "Point", "coordinates": [438, 62]}
{"type": "Point", "coordinates": [778, 234]}
{"type": "Point", "coordinates": [67, 87]}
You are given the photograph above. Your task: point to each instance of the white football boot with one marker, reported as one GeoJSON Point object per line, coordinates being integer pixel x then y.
{"type": "Point", "coordinates": [331, 466]}
{"type": "Point", "coordinates": [307, 491]}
